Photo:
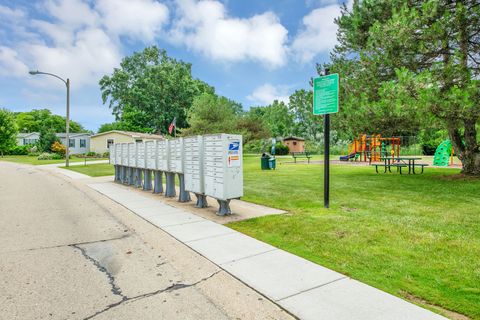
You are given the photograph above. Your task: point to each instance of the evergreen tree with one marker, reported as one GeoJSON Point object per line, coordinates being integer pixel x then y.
{"type": "Point", "coordinates": [404, 64]}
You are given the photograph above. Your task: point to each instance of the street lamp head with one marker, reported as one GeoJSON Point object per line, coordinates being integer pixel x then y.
{"type": "Point", "coordinates": [33, 72]}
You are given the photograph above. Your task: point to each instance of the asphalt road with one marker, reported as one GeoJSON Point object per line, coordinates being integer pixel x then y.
{"type": "Point", "coordinates": [67, 252]}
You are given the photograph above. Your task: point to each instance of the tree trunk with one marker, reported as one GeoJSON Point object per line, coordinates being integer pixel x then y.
{"type": "Point", "coordinates": [467, 149]}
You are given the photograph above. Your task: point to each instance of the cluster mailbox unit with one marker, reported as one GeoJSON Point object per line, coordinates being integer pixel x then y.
{"type": "Point", "coordinates": [208, 165]}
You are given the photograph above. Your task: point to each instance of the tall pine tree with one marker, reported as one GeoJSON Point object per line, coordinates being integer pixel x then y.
{"type": "Point", "coordinates": [399, 59]}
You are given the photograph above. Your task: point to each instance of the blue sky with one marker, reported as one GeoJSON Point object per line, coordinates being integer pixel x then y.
{"type": "Point", "coordinates": [251, 51]}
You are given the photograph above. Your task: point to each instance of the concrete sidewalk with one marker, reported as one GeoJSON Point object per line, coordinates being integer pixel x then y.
{"type": "Point", "coordinates": [72, 163]}
{"type": "Point", "coordinates": [307, 290]}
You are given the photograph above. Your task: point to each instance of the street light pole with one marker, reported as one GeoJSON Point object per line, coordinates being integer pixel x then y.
{"type": "Point", "coordinates": [67, 119]}
{"type": "Point", "coordinates": [67, 125]}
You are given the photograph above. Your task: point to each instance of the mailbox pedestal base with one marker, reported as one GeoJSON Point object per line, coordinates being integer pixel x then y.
{"type": "Point", "coordinates": [116, 179]}
{"type": "Point", "coordinates": [201, 200]}
{"type": "Point", "coordinates": [170, 185]}
{"type": "Point", "coordinates": [147, 180]}
{"type": "Point", "coordinates": [184, 195]}
{"type": "Point", "coordinates": [157, 182]}
{"type": "Point", "coordinates": [124, 175]}
{"type": "Point", "coordinates": [224, 208]}
{"type": "Point", "coordinates": [131, 176]}
{"type": "Point", "coordinates": [138, 177]}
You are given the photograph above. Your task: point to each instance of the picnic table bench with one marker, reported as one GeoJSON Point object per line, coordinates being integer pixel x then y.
{"type": "Point", "coordinates": [399, 163]}
{"type": "Point", "coordinates": [301, 155]}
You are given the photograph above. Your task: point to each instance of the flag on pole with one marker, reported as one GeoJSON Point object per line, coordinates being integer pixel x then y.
{"type": "Point", "coordinates": [172, 125]}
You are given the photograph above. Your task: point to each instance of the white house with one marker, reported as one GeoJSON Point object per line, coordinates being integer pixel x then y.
{"type": "Point", "coordinates": [27, 138]}
{"type": "Point", "coordinates": [79, 142]}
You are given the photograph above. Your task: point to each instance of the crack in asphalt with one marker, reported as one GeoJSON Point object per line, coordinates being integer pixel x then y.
{"type": "Point", "coordinates": [171, 288]}
{"type": "Point", "coordinates": [111, 279]}
{"type": "Point", "coordinates": [81, 243]}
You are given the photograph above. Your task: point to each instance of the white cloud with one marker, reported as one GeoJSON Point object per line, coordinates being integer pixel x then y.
{"type": "Point", "coordinates": [91, 55]}
{"type": "Point", "coordinates": [79, 40]}
{"type": "Point", "coordinates": [320, 3]}
{"type": "Point", "coordinates": [59, 36]}
{"type": "Point", "coordinates": [11, 14]}
{"type": "Point", "coordinates": [318, 33]}
{"type": "Point", "coordinates": [72, 13]}
{"type": "Point", "coordinates": [10, 64]}
{"type": "Point", "coordinates": [267, 93]}
{"type": "Point", "coordinates": [205, 26]}
{"type": "Point", "coordinates": [140, 19]}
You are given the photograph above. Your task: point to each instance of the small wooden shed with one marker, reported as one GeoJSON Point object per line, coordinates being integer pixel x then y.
{"type": "Point", "coordinates": [294, 144]}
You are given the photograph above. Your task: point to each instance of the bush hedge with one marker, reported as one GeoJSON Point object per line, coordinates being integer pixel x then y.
{"type": "Point", "coordinates": [18, 151]}
{"type": "Point", "coordinates": [49, 156]}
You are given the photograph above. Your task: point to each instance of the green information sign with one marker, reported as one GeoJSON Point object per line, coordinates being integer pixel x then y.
{"type": "Point", "coordinates": [325, 94]}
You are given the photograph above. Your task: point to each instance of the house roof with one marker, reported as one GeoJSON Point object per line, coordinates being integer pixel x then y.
{"type": "Point", "coordinates": [59, 135]}
{"type": "Point", "coordinates": [72, 135]}
{"type": "Point", "coordinates": [26, 134]}
{"type": "Point", "coordinates": [132, 134]}
{"type": "Point", "coordinates": [293, 138]}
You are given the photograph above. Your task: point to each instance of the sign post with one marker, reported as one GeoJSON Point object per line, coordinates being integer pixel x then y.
{"type": "Point", "coordinates": [325, 101]}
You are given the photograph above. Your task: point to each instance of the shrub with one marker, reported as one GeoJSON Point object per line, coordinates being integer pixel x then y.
{"type": "Point", "coordinates": [46, 141]}
{"type": "Point", "coordinates": [59, 149]}
{"type": "Point", "coordinates": [33, 150]}
{"type": "Point", "coordinates": [49, 156]}
{"type": "Point", "coordinates": [91, 154]}
{"type": "Point", "coordinates": [106, 155]}
{"type": "Point", "coordinates": [281, 149]}
{"type": "Point", "coordinates": [18, 151]}
{"type": "Point", "coordinates": [255, 146]}
{"type": "Point", "coordinates": [428, 149]}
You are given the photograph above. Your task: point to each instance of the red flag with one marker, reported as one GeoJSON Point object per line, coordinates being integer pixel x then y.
{"type": "Point", "coordinates": [172, 125]}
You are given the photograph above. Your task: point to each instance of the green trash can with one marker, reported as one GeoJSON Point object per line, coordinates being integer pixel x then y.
{"type": "Point", "coordinates": [272, 163]}
{"type": "Point", "coordinates": [264, 162]}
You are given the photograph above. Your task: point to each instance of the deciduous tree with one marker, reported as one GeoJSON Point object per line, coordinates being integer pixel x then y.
{"type": "Point", "coordinates": [8, 131]}
{"type": "Point", "coordinates": [150, 89]}
{"type": "Point", "coordinates": [43, 119]}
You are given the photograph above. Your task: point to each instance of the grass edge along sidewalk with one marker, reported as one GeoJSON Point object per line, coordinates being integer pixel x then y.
{"type": "Point", "coordinates": [93, 170]}
{"type": "Point", "coordinates": [413, 236]}
{"type": "Point", "coordinates": [33, 160]}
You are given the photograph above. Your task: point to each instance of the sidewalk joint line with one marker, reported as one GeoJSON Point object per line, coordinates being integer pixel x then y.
{"type": "Point", "coordinates": [210, 237]}
{"type": "Point", "coordinates": [174, 225]}
{"type": "Point", "coordinates": [250, 256]}
{"type": "Point", "coordinates": [310, 289]}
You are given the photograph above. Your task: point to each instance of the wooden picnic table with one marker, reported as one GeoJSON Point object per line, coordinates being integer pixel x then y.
{"type": "Point", "coordinates": [399, 163]}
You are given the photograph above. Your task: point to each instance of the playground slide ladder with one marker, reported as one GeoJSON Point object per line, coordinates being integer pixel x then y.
{"type": "Point", "coordinates": [442, 154]}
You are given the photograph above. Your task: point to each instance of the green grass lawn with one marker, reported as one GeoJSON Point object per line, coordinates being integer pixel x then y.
{"type": "Point", "coordinates": [415, 236]}
{"type": "Point", "coordinates": [94, 170]}
{"type": "Point", "coordinates": [34, 160]}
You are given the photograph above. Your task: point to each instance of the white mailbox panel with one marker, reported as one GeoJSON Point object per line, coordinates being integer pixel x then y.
{"type": "Point", "coordinates": [132, 150]}
{"type": "Point", "coordinates": [162, 156]}
{"type": "Point", "coordinates": [151, 155]}
{"type": "Point", "coordinates": [193, 164]}
{"type": "Point", "coordinates": [111, 153]}
{"type": "Point", "coordinates": [140, 155]}
{"type": "Point", "coordinates": [118, 154]}
{"type": "Point", "coordinates": [125, 154]}
{"type": "Point", "coordinates": [223, 166]}
{"type": "Point", "coordinates": [176, 155]}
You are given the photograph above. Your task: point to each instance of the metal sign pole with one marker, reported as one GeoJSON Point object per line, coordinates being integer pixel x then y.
{"type": "Point", "coordinates": [326, 160]}
{"type": "Point", "coordinates": [325, 101]}
{"type": "Point", "coordinates": [326, 173]}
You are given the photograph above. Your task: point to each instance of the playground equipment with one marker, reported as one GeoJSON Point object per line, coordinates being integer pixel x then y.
{"type": "Point", "coordinates": [444, 154]}
{"type": "Point", "coordinates": [372, 148]}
